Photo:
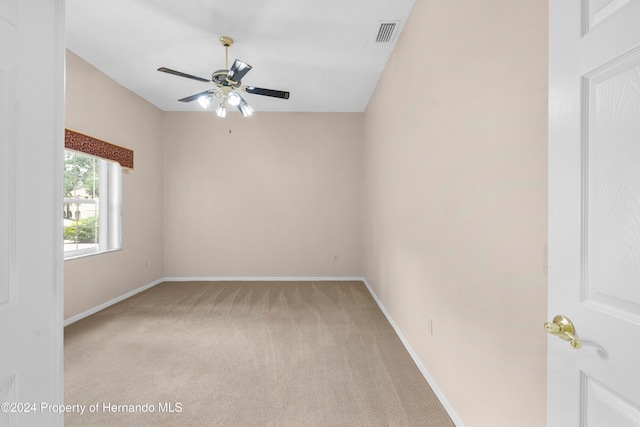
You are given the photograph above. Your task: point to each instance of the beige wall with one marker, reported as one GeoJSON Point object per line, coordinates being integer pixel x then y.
{"type": "Point", "coordinates": [450, 154]}
{"type": "Point", "coordinates": [455, 202]}
{"type": "Point", "coordinates": [98, 106]}
{"type": "Point", "coordinates": [278, 196]}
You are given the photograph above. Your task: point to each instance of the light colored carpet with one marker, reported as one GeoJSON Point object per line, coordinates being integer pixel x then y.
{"type": "Point", "coordinates": [245, 354]}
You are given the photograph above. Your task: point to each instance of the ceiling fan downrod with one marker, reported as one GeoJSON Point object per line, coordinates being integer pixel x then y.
{"type": "Point", "coordinates": [226, 42]}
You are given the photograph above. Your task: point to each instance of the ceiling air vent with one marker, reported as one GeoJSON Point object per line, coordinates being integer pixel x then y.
{"type": "Point", "coordinates": [386, 31]}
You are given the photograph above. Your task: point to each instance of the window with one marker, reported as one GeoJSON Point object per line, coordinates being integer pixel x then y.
{"type": "Point", "coordinates": [92, 205]}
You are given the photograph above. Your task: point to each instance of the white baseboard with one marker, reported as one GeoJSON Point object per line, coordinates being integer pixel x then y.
{"type": "Point", "coordinates": [93, 310]}
{"type": "Point", "coordinates": [263, 279]}
{"type": "Point", "coordinates": [445, 403]}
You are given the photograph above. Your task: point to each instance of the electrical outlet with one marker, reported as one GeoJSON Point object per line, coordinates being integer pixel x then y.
{"type": "Point", "coordinates": [336, 258]}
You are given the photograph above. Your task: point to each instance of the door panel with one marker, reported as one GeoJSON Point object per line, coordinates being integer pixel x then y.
{"type": "Point", "coordinates": [7, 162]}
{"type": "Point", "coordinates": [607, 408]}
{"type": "Point", "coordinates": [31, 146]}
{"type": "Point", "coordinates": [8, 10]}
{"type": "Point", "coordinates": [7, 394]}
{"type": "Point", "coordinates": [611, 158]}
{"type": "Point", "coordinates": [598, 11]}
{"type": "Point", "coordinates": [594, 211]}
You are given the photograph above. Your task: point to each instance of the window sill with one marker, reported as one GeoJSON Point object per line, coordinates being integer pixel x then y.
{"type": "Point", "coordinates": [91, 254]}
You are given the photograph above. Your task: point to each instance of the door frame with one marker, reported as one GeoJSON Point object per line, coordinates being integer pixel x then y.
{"type": "Point", "coordinates": [35, 267]}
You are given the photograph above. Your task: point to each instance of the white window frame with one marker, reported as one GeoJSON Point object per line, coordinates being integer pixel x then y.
{"type": "Point", "coordinates": [109, 210]}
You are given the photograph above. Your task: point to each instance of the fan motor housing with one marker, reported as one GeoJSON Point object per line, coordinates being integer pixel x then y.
{"type": "Point", "coordinates": [219, 78]}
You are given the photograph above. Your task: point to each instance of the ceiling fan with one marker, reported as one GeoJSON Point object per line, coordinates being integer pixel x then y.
{"type": "Point", "coordinates": [227, 83]}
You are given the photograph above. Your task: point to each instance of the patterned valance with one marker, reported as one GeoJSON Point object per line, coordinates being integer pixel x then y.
{"type": "Point", "coordinates": [96, 147]}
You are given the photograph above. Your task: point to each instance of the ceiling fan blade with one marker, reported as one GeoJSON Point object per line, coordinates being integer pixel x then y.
{"type": "Point", "coordinates": [267, 92]}
{"type": "Point", "coordinates": [238, 70]}
{"type": "Point", "coordinates": [194, 97]}
{"type": "Point", "coordinates": [178, 73]}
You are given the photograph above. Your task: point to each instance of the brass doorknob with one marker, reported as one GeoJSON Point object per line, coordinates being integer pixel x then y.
{"type": "Point", "coordinates": [563, 328]}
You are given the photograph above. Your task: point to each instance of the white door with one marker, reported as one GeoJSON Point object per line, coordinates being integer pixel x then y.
{"type": "Point", "coordinates": [31, 141]}
{"type": "Point", "coordinates": [594, 211]}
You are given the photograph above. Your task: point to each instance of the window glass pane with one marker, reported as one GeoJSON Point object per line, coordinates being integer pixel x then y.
{"type": "Point", "coordinates": [81, 176]}
{"type": "Point", "coordinates": [81, 231]}
{"type": "Point", "coordinates": [85, 212]}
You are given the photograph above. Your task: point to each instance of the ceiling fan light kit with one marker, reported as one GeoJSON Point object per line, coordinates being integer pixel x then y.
{"type": "Point", "coordinates": [204, 101]}
{"type": "Point", "coordinates": [226, 84]}
{"type": "Point", "coordinates": [221, 111]}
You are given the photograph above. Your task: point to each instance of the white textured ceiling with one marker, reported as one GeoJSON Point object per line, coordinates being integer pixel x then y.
{"type": "Point", "coordinates": [322, 51]}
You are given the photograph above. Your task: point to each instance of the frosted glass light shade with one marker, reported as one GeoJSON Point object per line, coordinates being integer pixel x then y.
{"type": "Point", "coordinates": [221, 111]}
{"type": "Point", "coordinates": [234, 99]}
{"type": "Point", "coordinates": [204, 101]}
{"type": "Point", "coordinates": [245, 109]}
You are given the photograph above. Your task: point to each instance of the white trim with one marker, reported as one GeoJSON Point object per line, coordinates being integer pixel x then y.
{"type": "Point", "coordinates": [101, 307]}
{"type": "Point", "coordinates": [263, 279]}
{"type": "Point", "coordinates": [443, 400]}
{"type": "Point", "coordinates": [88, 254]}
{"type": "Point", "coordinates": [57, 324]}
{"type": "Point", "coordinates": [72, 200]}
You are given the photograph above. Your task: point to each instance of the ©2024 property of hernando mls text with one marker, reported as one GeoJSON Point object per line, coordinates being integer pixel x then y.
{"type": "Point", "coordinates": [79, 408]}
